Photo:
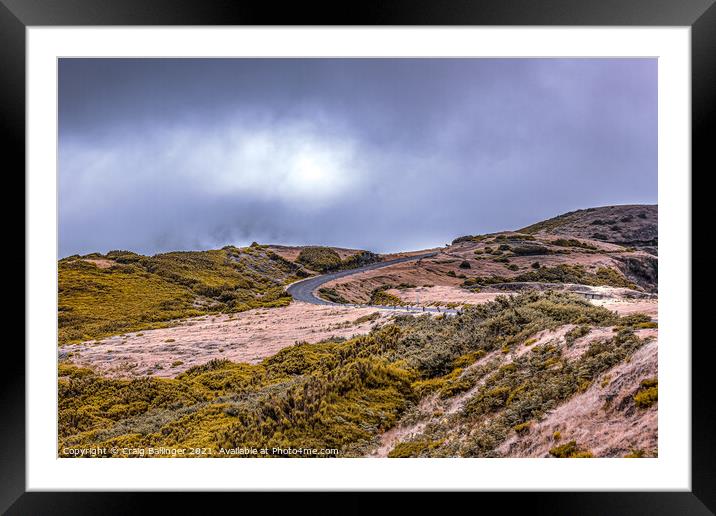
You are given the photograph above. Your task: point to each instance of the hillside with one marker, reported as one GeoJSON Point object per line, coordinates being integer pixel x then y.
{"type": "Point", "coordinates": [627, 225]}
{"type": "Point", "coordinates": [537, 257]}
{"type": "Point", "coordinates": [121, 291]}
{"type": "Point", "coordinates": [101, 295]}
{"type": "Point", "coordinates": [552, 353]}
{"type": "Point", "coordinates": [470, 385]}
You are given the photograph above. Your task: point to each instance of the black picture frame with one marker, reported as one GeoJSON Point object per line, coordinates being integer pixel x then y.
{"type": "Point", "coordinates": [700, 15]}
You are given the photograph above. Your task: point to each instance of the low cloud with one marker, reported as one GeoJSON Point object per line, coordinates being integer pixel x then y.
{"type": "Point", "coordinates": [377, 154]}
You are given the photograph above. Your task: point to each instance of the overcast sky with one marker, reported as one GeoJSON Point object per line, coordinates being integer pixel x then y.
{"type": "Point", "coordinates": [379, 154]}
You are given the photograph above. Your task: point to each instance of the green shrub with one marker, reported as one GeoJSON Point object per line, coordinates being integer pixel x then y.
{"type": "Point", "coordinates": [613, 278]}
{"type": "Point", "coordinates": [465, 264]}
{"type": "Point", "coordinates": [330, 294]}
{"type": "Point", "coordinates": [469, 358]}
{"type": "Point", "coordinates": [359, 259]}
{"type": "Point", "coordinates": [530, 250]}
{"type": "Point", "coordinates": [522, 428]}
{"type": "Point", "coordinates": [412, 448]}
{"type": "Point", "coordinates": [647, 394]}
{"type": "Point", "coordinates": [635, 454]}
{"type": "Point", "coordinates": [576, 333]}
{"type": "Point", "coordinates": [565, 273]}
{"type": "Point", "coordinates": [381, 298]}
{"type": "Point", "coordinates": [572, 242]}
{"type": "Point", "coordinates": [469, 238]}
{"type": "Point", "coordinates": [367, 318]}
{"type": "Point", "coordinates": [318, 258]}
{"type": "Point", "coordinates": [569, 450]}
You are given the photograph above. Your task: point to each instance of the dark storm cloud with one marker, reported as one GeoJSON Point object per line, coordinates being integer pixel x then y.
{"type": "Point", "coordinates": [160, 154]}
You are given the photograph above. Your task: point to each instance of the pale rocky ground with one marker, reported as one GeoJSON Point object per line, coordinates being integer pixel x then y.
{"type": "Point", "coordinates": [102, 263]}
{"type": "Point", "coordinates": [630, 306]}
{"type": "Point", "coordinates": [243, 337]}
{"type": "Point", "coordinates": [442, 295]}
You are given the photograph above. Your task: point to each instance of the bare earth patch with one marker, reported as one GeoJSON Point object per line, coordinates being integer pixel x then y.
{"type": "Point", "coordinates": [441, 295]}
{"type": "Point", "coordinates": [244, 337]}
{"type": "Point", "coordinates": [102, 263]}
{"type": "Point", "coordinates": [627, 306]}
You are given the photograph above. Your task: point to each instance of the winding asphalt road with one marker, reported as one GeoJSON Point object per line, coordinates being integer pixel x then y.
{"type": "Point", "coordinates": [304, 290]}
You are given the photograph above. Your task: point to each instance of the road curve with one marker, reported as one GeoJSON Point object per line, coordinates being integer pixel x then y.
{"type": "Point", "coordinates": [304, 290]}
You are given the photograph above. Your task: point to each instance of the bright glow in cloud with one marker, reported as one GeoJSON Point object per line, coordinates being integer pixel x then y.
{"type": "Point", "coordinates": [379, 154]}
{"type": "Point", "coordinates": [288, 164]}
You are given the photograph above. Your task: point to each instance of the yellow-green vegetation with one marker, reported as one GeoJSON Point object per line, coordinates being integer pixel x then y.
{"type": "Point", "coordinates": [141, 292]}
{"type": "Point", "coordinates": [648, 393]}
{"type": "Point", "coordinates": [570, 450]}
{"type": "Point", "coordinates": [367, 318]}
{"type": "Point", "coordinates": [635, 454]}
{"type": "Point", "coordinates": [573, 242]}
{"type": "Point", "coordinates": [469, 358]}
{"type": "Point", "coordinates": [576, 333]}
{"type": "Point", "coordinates": [325, 259]}
{"type": "Point", "coordinates": [565, 219]}
{"type": "Point", "coordinates": [529, 250]}
{"type": "Point", "coordinates": [380, 297]}
{"type": "Point", "coordinates": [563, 273]}
{"type": "Point", "coordinates": [343, 393]}
{"type": "Point", "coordinates": [522, 428]}
{"type": "Point", "coordinates": [331, 294]}
{"type": "Point", "coordinates": [413, 448]}
{"type": "Point", "coordinates": [319, 258]}
{"type": "Point", "coordinates": [470, 238]}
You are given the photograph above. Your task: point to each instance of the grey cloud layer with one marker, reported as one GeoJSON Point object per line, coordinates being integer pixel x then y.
{"type": "Point", "coordinates": [158, 155]}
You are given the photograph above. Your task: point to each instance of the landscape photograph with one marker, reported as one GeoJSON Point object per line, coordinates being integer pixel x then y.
{"type": "Point", "coordinates": [357, 258]}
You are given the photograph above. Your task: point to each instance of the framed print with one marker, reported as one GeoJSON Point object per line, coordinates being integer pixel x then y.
{"type": "Point", "coordinates": [437, 249]}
